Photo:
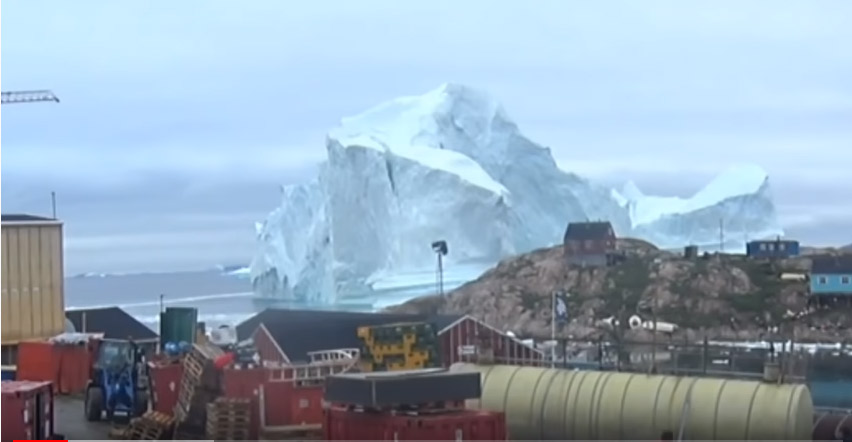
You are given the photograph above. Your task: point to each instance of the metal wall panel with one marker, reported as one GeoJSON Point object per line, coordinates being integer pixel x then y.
{"type": "Point", "coordinates": [33, 300]}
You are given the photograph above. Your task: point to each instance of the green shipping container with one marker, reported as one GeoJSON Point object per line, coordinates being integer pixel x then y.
{"type": "Point", "coordinates": [178, 324]}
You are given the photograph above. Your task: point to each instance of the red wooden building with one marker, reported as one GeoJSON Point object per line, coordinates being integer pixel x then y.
{"type": "Point", "coordinates": [292, 336]}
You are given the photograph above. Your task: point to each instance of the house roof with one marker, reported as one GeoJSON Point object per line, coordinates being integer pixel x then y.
{"type": "Point", "coordinates": [21, 217]}
{"type": "Point", "coordinates": [113, 322]}
{"type": "Point", "coordinates": [773, 241]}
{"type": "Point", "coordinates": [831, 265]}
{"type": "Point", "coordinates": [298, 332]}
{"type": "Point", "coordinates": [589, 230]}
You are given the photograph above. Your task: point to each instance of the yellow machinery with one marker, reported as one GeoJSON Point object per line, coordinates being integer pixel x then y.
{"type": "Point", "coordinates": [401, 346]}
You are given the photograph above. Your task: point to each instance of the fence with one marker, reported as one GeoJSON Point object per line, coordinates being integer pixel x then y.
{"type": "Point", "coordinates": [673, 358]}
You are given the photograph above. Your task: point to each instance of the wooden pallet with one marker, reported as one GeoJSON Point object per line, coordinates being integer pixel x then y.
{"type": "Point", "coordinates": [118, 433]}
{"type": "Point", "coordinates": [152, 425]}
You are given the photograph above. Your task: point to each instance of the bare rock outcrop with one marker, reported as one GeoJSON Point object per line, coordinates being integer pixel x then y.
{"type": "Point", "coordinates": [717, 296]}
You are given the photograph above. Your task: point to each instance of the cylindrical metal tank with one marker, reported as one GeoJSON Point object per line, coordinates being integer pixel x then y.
{"type": "Point", "coordinates": [827, 425]}
{"type": "Point", "coordinates": [550, 404]}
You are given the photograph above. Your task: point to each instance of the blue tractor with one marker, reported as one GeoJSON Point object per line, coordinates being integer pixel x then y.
{"type": "Point", "coordinates": [115, 384]}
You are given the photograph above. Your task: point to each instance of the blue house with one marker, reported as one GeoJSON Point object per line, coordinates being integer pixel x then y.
{"type": "Point", "coordinates": [832, 276]}
{"type": "Point", "coordinates": [772, 248]}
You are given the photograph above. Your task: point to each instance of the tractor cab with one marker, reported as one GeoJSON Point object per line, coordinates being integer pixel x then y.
{"type": "Point", "coordinates": [115, 382]}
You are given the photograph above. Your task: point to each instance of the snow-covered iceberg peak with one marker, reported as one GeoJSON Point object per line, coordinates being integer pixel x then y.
{"type": "Point", "coordinates": [421, 119]}
{"type": "Point", "coordinates": [415, 128]}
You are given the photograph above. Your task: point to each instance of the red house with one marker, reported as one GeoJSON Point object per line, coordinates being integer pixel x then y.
{"type": "Point", "coordinates": [290, 336]}
{"type": "Point", "coordinates": [589, 244]}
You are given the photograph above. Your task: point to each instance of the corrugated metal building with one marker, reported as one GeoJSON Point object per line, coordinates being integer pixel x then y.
{"type": "Point", "coordinates": [287, 336]}
{"type": "Point", "coordinates": [32, 281]}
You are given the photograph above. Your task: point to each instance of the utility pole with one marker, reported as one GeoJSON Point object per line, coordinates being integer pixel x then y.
{"type": "Point", "coordinates": [53, 203]}
{"type": "Point", "coordinates": [440, 248]}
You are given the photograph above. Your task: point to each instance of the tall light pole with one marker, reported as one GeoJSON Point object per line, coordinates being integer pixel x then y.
{"type": "Point", "coordinates": [440, 249]}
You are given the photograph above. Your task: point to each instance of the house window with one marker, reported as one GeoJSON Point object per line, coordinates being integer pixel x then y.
{"type": "Point", "coordinates": [822, 280]}
{"type": "Point", "coordinates": [763, 247]}
{"type": "Point", "coordinates": [590, 244]}
{"type": "Point", "coordinates": [844, 280]}
{"type": "Point", "coordinates": [781, 246]}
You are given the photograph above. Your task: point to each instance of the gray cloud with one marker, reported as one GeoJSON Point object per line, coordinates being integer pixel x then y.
{"type": "Point", "coordinates": [185, 116]}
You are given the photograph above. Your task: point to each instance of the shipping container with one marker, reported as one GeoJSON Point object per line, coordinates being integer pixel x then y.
{"type": "Point", "coordinates": [346, 424]}
{"type": "Point", "coordinates": [33, 305]}
{"type": "Point", "coordinates": [27, 410]}
{"type": "Point", "coordinates": [165, 378]}
{"type": "Point", "coordinates": [287, 400]}
{"type": "Point", "coordinates": [66, 366]}
{"type": "Point", "coordinates": [178, 324]}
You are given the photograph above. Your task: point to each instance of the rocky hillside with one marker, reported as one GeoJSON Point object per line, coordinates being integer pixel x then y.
{"type": "Point", "coordinates": [720, 296]}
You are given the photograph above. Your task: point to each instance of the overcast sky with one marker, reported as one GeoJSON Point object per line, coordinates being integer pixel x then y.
{"type": "Point", "coordinates": [179, 120]}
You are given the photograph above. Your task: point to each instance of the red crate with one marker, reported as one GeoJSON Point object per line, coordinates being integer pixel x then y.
{"type": "Point", "coordinates": [67, 366]}
{"type": "Point", "coordinates": [27, 410]}
{"type": "Point", "coordinates": [165, 378]}
{"type": "Point", "coordinates": [342, 424]}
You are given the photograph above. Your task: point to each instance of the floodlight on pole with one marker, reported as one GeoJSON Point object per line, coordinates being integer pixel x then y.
{"type": "Point", "coordinates": [440, 249]}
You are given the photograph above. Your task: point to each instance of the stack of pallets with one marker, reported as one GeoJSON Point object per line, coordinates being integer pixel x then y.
{"type": "Point", "coordinates": [199, 386]}
{"type": "Point", "coordinates": [229, 419]}
{"type": "Point", "coordinates": [153, 425]}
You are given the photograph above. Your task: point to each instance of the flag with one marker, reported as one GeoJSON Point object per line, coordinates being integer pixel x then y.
{"type": "Point", "coordinates": [560, 307]}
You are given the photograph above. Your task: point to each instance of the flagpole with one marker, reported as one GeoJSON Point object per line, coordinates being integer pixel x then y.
{"type": "Point", "coordinates": [553, 329]}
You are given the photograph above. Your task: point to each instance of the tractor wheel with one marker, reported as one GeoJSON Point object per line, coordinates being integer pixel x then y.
{"type": "Point", "coordinates": [140, 405]}
{"type": "Point", "coordinates": [94, 403]}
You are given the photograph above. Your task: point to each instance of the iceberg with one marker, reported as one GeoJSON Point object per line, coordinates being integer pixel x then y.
{"type": "Point", "coordinates": [451, 165]}
{"type": "Point", "coordinates": [736, 204]}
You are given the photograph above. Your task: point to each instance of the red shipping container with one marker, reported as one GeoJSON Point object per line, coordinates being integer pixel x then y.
{"type": "Point", "coordinates": [165, 378]}
{"type": "Point", "coordinates": [342, 424]}
{"type": "Point", "coordinates": [27, 410]}
{"type": "Point", "coordinates": [286, 402]}
{"type": "Point", "coordinates": [67, 366]}
{"type": "Point", "coordinates": [245, 383]}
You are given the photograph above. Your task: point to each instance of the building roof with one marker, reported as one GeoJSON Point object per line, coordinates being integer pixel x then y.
{"type": "Point", "coordinates": [589, 230]}
{"type": "Point", "coordinates": [773, 241]}
{"type": "Point", "coordinates": [831, 265]}
{"type": "Point", "coordinates": [21, 217]}
{"type": "Point", "coordinates": [298, 332]}
{"type": "Point", "coordinates": [113, 322]}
